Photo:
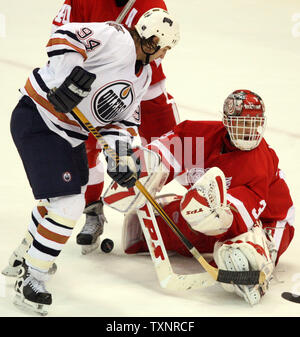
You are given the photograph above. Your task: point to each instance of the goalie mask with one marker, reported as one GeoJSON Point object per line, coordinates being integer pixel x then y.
{"type": "Point", "coordinates": [158, 22]}
{"type": "Point", "coordinates": [244, 119]}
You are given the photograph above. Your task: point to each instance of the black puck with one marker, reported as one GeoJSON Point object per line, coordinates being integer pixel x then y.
{"type": "Point", "coordinates": [291, 297]}
{"type": "Point", "coordinates": [107, 245]}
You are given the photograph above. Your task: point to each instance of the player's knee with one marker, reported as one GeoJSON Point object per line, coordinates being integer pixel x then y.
{"type": "Point", "coordinates": [67, 207]}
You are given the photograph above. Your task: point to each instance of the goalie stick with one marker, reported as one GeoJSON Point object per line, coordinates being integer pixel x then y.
{"type": "Point", "coordinates": [224, 276]}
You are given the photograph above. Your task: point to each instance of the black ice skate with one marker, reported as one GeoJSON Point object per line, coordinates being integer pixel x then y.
{"type": "Point", "coordinates": [89, 237]}
{"type": "Point", "coordinates": [30, 290]}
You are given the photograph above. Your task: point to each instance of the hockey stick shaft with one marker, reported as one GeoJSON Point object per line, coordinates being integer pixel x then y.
{"type": "Point", "coordinates": [125, 10]}
{"type": "Point", "coordinates": [246, 278]}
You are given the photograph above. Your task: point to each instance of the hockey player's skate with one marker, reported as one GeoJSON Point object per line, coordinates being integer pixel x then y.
{"type": "Point", "coordinates": [89, 237]}
{"type": "Point", "coordinates": [16, 259]}
{"type": "Point", "coordinates": [31, 293]}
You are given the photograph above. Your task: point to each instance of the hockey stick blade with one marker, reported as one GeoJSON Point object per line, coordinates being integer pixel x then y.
{"type": "Point", "coordinates": [240, 277]}
{"type": "Point", "coordinates": [183, 282]}
{"type": "Point", "coordinates": [291, 297]}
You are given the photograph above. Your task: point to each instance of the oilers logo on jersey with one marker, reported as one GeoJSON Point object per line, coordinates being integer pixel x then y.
{"type": "Point", "coordinates": [110, 101]}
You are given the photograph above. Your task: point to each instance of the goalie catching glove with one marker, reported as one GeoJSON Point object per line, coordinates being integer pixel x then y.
{"type": "Point", "coordinates": [127, 170]}
{"type": "Point", "coordinates": [72, 91]}
{"type": "Point", "coordinates": [204, 206]}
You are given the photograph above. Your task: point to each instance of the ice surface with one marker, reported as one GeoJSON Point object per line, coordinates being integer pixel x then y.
{"type": "Point", "coordinates": [225, 45]}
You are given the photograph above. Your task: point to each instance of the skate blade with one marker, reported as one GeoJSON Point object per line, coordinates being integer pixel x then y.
{"type": "Point", "coordinates": [26, 305]}
{"type": "Point", "coordinates": [87, 249]}
{"type": "Point", "coordinates": [10, 271]}
{"type": "Point", "coordinates": [14, 271]}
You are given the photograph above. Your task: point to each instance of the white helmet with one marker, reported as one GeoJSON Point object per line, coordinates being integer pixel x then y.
{"type": "Point", "coordinates": [159, 22]}
{"type": "Point", "coordinates": [244, 119]}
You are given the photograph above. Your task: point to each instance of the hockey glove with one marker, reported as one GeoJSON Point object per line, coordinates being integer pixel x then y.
{"type": "Point", "coordinates": [72, 91]}
{"type": "Point", "coordinates": [127, 170]}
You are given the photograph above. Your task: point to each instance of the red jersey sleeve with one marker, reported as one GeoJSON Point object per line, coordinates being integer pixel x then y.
{"type": "Point", "coordinates": [169, 147]}
{"type": "Point", "coordinates": [246, 206]}
{"type": "Point", "coordinates": [264, 196]}
{"type": "Point", "coordinates": [249, 196]}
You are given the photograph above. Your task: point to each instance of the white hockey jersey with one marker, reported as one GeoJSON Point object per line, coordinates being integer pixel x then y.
{"type": "Point", "coordinates": [107, 50]}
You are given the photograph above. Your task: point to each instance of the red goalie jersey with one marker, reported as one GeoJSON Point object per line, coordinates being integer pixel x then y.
{"type": "Point", "coordinates": [256, 188]}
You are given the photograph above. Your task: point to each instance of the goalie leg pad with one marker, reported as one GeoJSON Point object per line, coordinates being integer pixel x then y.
{"type": "Point", "coordinates": [133, 241]}
{"type": "Point", "coordinates": [248, 251]}
{"type": "Point", "coordinates": [204, 206]}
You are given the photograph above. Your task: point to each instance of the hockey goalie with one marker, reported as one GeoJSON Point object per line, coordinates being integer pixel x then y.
{"type": "Point", "coordinates": [237, 205]}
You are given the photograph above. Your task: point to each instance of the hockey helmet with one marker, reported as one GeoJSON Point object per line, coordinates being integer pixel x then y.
{"type": "Point", "coordinates": [244, 119]}
{"type": "Point", "coordinates": [158, 22]}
